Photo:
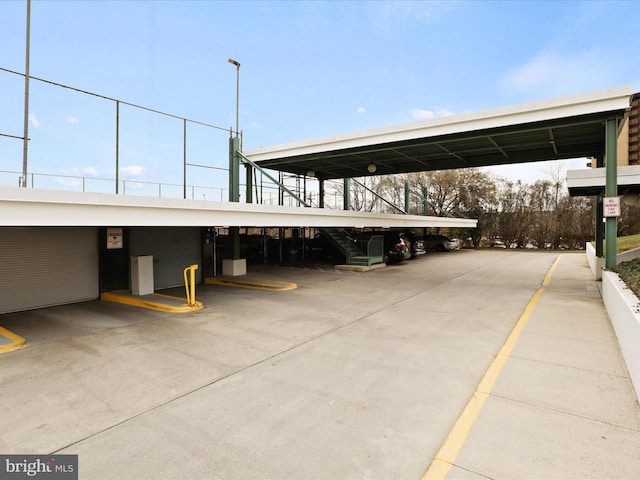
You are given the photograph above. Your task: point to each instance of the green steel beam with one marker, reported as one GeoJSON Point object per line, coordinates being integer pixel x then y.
{"type": "Point", "coordinates": [407, 196]}
{"type": "Point", "coordinates": [346, 198]}
{"type": "Point", "coordinates": [249, 183]}
{"type": "Point", "coordinates": [599, 213]}
{"type": "Point", "coordinates": [599, 227]}
{"type": "Point", "coordinates": [234, 193]}
{"type": "Point", "coordinates": [611, 190]}
{"type": "Point", "coordinates": [234, 169]}
{"type": "Point", "coordinates": [270, 177]}
{"type": "Point", "coordinates": [377, 195]}
{"type": "Point", "coordinates": [425, 201]}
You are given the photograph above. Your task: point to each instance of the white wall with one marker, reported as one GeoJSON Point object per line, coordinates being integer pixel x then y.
{"type": "Point", "coordinates": [623, 307]}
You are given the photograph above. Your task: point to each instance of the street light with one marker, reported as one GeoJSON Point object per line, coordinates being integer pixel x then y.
{"type": "Point", "coordinates": [237, 64]}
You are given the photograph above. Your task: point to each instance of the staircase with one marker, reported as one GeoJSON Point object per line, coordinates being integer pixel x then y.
{"type": "Point", "coordinates": [351, 250]}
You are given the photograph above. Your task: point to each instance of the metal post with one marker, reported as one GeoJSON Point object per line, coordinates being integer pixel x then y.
{"type": "Point", "coordinates": [346, 197]}
{"type": "Point", "coordinates": [117, 144]}
{"type": "Point", "coordinates": [425, 201]}
{"type": "Point", "coordinates": [321, 193]}
{"type": "Point", "coordinates": [611, 190]}
{"type": "Point", "coordinates": [25, 148]}
{"type": "Point", "coordinates": [407, 196]}
{"type": "Point", "coordinates": [184, 157]}
{"type": "Point", "coordinates": [599, 213]}
{"type": "Point", "coordinates": [237, 64]}
{"type": "Point", "coordinates": [234, 170]}
{"type": "Point", "coordinates": [599, 216]}
{"type": "Point", "coordinates": [249, 187]}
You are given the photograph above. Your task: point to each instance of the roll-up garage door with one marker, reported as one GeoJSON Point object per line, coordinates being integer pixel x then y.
{"type": "Point", "coordinates": [42, 266]}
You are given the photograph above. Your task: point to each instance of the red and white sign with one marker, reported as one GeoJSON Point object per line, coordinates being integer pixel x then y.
{"type": "Point", "coordinates": [114, 238]}
{"type": "Point", "coordinates": [611, 206]}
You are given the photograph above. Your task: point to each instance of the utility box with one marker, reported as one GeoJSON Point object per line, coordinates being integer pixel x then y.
{"type": "Point", "coordinates": [142, 275]}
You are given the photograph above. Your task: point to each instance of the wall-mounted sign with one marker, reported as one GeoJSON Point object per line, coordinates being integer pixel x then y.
{"type": "Point", "coordinates": [114, 238]}
{"type": "Point", "coordinates": [611, 206]}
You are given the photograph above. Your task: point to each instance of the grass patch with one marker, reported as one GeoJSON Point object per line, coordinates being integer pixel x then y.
{"type": "Point", "coordinates": [630, 274]}
{"type": "Point", "coordinates": [623, 243]}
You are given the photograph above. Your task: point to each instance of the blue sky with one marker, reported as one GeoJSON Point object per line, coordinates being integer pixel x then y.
{"type": "Point", "coordinates": [309, 69]}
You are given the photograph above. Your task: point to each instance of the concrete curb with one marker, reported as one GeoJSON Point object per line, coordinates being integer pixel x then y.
{"type": "Point", "coordinates": [156, 301]}
{"type": "Point", "coordinates": [251, 283]}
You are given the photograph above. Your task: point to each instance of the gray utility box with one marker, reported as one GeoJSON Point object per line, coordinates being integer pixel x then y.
{"type": "Point", "coordinates": [142, 275]}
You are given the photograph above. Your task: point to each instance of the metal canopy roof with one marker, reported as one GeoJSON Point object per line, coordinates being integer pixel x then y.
{"type": "Point", "coordinates": [592, 181]}
{"type": "Point", "coordinates": [556, 129]}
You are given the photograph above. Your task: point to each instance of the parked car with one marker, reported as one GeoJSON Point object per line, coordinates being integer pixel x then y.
{"type": "Point", "coordinates": [441, 243]}
{"type": "Point", "coordinates": [417, 245]}
{"type": "Point", "coordinates": [397, 246]}
{"type": "Point", "coordinates": [498, 244]}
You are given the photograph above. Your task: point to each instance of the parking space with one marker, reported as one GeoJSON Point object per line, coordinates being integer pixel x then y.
{"type": "Point", "coordinates": [351, 375]}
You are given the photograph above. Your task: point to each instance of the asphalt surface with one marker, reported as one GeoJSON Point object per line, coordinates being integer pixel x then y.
{"type": "Point", "coordinates": [351, 375]}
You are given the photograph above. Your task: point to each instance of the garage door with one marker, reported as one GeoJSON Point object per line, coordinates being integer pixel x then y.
{"type": "Point", "coordinates": [41, 267]}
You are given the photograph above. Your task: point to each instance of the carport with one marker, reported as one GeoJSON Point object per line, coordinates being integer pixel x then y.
{"type": "Point", "coordinates": [584, 125]}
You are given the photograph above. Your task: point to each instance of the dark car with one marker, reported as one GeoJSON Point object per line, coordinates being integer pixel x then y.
{"type": "Point", "coordinates": [417, 244]}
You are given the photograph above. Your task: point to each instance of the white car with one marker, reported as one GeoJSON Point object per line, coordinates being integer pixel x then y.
{"type": "Point", "coordinates": [441, 243]}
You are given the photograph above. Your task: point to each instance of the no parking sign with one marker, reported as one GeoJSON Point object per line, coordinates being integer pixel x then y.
{"type": "Point", "coordinates": [611, 206]}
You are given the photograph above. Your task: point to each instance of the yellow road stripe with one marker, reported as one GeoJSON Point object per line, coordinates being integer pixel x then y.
{"type": "Point", "coordinates": [16, 341]}
{"type": "Point", "coordinates": [457, 437]}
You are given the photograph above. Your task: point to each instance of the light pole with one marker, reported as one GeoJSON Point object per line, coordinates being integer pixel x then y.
{"type": "Point", "coordinates": [237, 64]}
{"type": "Point", "coordinates": [25, 147]}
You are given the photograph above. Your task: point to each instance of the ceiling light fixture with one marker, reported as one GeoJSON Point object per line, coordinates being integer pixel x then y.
{"type": "Point", "coordinates": [371, 168]}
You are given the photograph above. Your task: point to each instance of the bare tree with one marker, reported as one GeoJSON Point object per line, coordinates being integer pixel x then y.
{"type": "Point", "coordinates": [513, 217]}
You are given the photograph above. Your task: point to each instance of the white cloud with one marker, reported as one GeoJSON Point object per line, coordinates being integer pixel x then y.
{"type": "Point", "coordinates": [34, 121]}
{"type": "Point", "coordinates": [420, 114]}
{"type": "Point", "coordinates": [133, 170]}
{"type": "Point", "coordinates": [361, 110]}
{"type": "Point", "coordinates": [549, 73]}
{"type": "Point", "coordinates": [72, 120]}
{"type": "Point", "coordinates": [255, 125]}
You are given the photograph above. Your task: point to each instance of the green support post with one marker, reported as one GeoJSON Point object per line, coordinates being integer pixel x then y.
{"type": "Point", "coordinates": [599, 227]}
{"type": "Point", "coordinates": [249, 183]}
{"type": "Point", "coordinates": [234, 193]}
{"type": "Point", "coordinates": [611, 190]}
{"type": "Point", "coordinates": [599, 213]}
{"type": "Point", "coordinates": [425, 201]}
{"type": "Point", "coordinates": [321, 193]}
{"type": "Point", "coordinates": [347, 194]}
{"type": "Point", "coordinates": [407, 196]}
{"type": "Point", "coordinates": [234, 169]}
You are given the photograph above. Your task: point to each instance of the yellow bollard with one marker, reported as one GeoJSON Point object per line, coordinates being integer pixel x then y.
{"type": "Point", "coordinates": [190, 284]}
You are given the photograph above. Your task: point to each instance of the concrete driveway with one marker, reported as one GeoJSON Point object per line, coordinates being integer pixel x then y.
{"type": "Point", "coordinates": [352, 375]}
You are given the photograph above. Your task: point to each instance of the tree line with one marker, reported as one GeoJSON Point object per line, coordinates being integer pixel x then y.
{"type": "Point", "coordinates": [540, 214]}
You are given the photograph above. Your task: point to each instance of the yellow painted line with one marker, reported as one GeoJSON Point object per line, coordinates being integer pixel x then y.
{"type": "Point", "coordinates": [457, 437]}
{"type": "Point", "coordinates": [16, 341]}
{"type": "Point", "coordinates": [149, 304]}
{"type": "Point", "coordinates": [252, 283]}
